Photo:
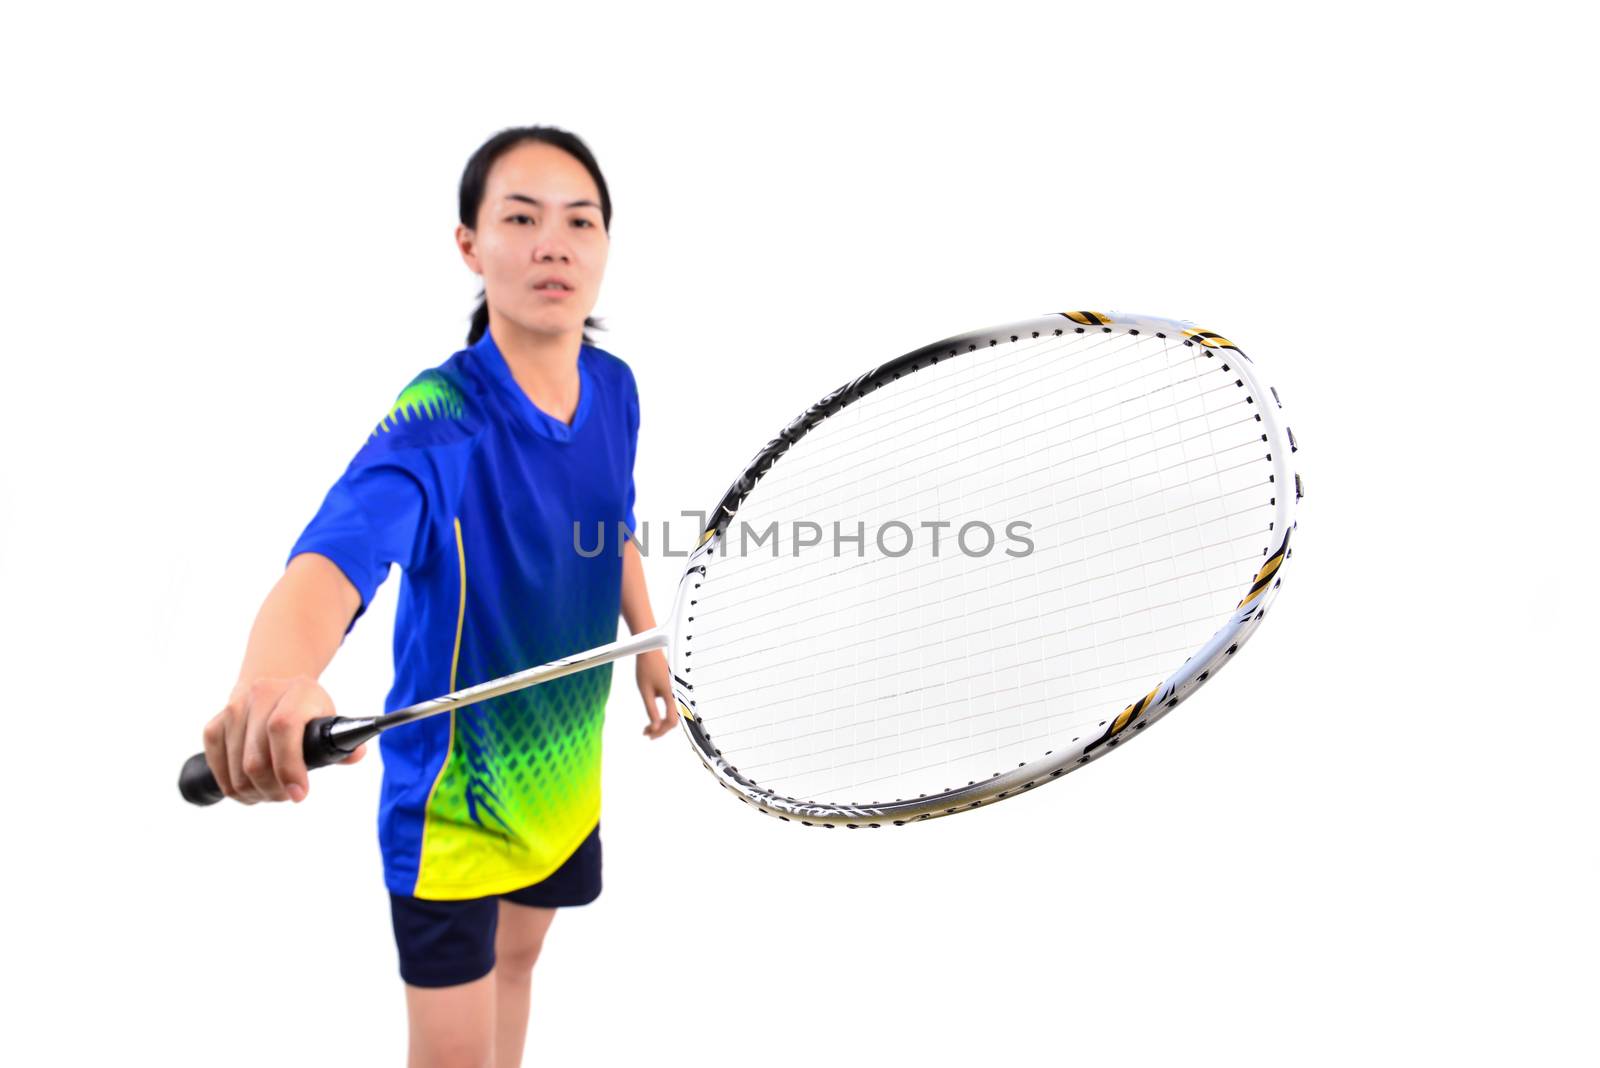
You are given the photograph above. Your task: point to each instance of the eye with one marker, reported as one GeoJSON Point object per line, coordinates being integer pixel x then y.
{"type": "Point", "coordinates": [519, 218]}
{"type": "Point", "coordinates": [583, 222]}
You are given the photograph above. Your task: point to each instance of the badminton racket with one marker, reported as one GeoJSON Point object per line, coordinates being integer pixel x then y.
{"type": "Point", "coordinates": [963, 574]}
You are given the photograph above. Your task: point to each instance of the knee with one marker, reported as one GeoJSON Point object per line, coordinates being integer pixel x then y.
{"type": "Point", "coordinates": [518, 960]}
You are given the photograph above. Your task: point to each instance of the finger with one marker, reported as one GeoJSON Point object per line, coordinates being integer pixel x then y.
{"type": "Point", "coordinates": [258, 753]}
{"type": "Point", "coordinates": [286, 740]}
{"type": "Point", "coordinates": [215, 736]}
{"type": "Point", "coordinates": [665, 720]}
{"type": "Point", "coordinates": [355, 758]}
{"type": "Point", "coordinates": [286, 743]}
{"type": "Point", "coordinates": [670, 720]}
{"type": "Point", "coordinates": [652, 711]}
{"type": "Point", "coordinates": [239, 715]}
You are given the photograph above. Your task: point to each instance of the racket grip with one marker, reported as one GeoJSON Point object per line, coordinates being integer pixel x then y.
{"type": "Point", "coordinates": [199, 787]}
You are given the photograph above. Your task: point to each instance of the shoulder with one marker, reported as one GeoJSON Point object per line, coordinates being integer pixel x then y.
{"type": "Point", "coordinates": [440, 406]}
{"type": "Point", "coordinates": [430, 430]}
{"type": "Point", "coordinates": [612, 371]}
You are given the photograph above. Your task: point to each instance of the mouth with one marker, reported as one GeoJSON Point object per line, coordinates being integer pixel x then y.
{"type": "Point", "coordinates": [552, 285]}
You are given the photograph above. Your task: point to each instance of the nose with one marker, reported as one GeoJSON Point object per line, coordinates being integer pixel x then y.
{"type": "Point", "coordinates": [550, 249]}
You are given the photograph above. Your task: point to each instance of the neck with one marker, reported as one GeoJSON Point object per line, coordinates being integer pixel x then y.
{"type": "Point", "coordinates": [544, 365]}
{"type": "Point", "coordinates": [541, 355]}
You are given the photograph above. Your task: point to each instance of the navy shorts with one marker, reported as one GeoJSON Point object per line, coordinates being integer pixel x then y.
{"type": "Point", "coordinates": [445, 943]}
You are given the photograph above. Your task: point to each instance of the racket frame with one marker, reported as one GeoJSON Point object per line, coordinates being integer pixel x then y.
{"type": "Point", "coordinates": [1277, 442]}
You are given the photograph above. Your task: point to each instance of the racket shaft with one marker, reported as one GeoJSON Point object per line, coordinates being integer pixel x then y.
{"type": "Point", "coordinates": [329, 739]}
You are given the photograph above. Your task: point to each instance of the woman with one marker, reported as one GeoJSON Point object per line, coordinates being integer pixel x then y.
{"type": "Point", "coordinates": [489, 819]}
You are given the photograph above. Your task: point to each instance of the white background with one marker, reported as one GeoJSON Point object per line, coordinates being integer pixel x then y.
{"type": "Point", "coordinates": [228, 246]}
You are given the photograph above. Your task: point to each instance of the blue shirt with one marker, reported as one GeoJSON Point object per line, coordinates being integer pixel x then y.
{"type": "Point", "coordinates": [475, 493]}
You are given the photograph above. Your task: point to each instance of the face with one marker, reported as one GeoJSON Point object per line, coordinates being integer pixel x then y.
{"type": "Point", "coordinates": [539, 223]}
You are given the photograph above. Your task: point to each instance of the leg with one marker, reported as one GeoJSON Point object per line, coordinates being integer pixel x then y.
{"type": "Point", "coordinates": [447, 961]}
{"type": "Point", "coordinates": [516, 948]}
{"type": "Point", "coordinates": [451, 1026]}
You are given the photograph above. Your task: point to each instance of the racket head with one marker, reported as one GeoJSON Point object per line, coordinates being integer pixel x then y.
{"type": "Point", "coordinates": [1175, 397]}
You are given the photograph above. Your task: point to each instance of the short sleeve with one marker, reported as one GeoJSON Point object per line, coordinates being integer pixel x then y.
{"type": "Point", "coordinates": [374, 516]}
{"type": "Point", "coordinates": [384, 507]}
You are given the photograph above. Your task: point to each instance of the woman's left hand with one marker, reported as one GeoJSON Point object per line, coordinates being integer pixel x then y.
{"type": "Point", "coordinates": [655, 681]}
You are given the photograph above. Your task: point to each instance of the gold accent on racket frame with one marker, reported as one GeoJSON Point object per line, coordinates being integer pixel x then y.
{"type": "Point", "coordinates": [1263, 577]}
{"type": "Point", "coordinates": [1089, 318]}
{"type": "Point", "coordinates": [1211, 340]}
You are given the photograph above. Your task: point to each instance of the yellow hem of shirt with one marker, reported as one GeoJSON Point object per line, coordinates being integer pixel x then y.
{"type": "Point", "coordinates": [437, 890]}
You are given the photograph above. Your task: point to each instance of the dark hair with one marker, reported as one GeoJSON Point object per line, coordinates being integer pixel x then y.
{"type": "Point", "coordinates": [476, 176]}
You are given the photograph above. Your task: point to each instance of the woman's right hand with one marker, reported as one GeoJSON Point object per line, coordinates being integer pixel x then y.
{"type": "Point", "coordinates": [254, 746]}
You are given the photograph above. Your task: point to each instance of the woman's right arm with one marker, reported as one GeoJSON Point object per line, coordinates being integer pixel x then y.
{"type": "Point", "coordinates": [253, 745]}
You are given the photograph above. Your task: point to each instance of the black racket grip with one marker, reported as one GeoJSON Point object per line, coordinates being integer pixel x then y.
{"type": "Point", "coordinates": [199, 787]}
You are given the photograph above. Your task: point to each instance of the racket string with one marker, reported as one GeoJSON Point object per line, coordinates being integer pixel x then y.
{"type": "Point", "coordinates": [725, 622]}
{"type": "Point", "coordinates": [798, 474]}
{"type": "Point", "coordinates": [795, 570]}
{"type": "Point", "coordinates": [712, 693]}
{"type": "Point", "coordinates": [1136, 456]}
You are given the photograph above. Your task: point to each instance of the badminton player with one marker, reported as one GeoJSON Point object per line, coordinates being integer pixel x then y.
{"type": "Point", "coordinates": [472, 482]}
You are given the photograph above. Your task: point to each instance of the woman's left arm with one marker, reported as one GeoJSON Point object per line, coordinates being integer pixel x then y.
{"type": "Point", "coordinates": [655, 678]}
